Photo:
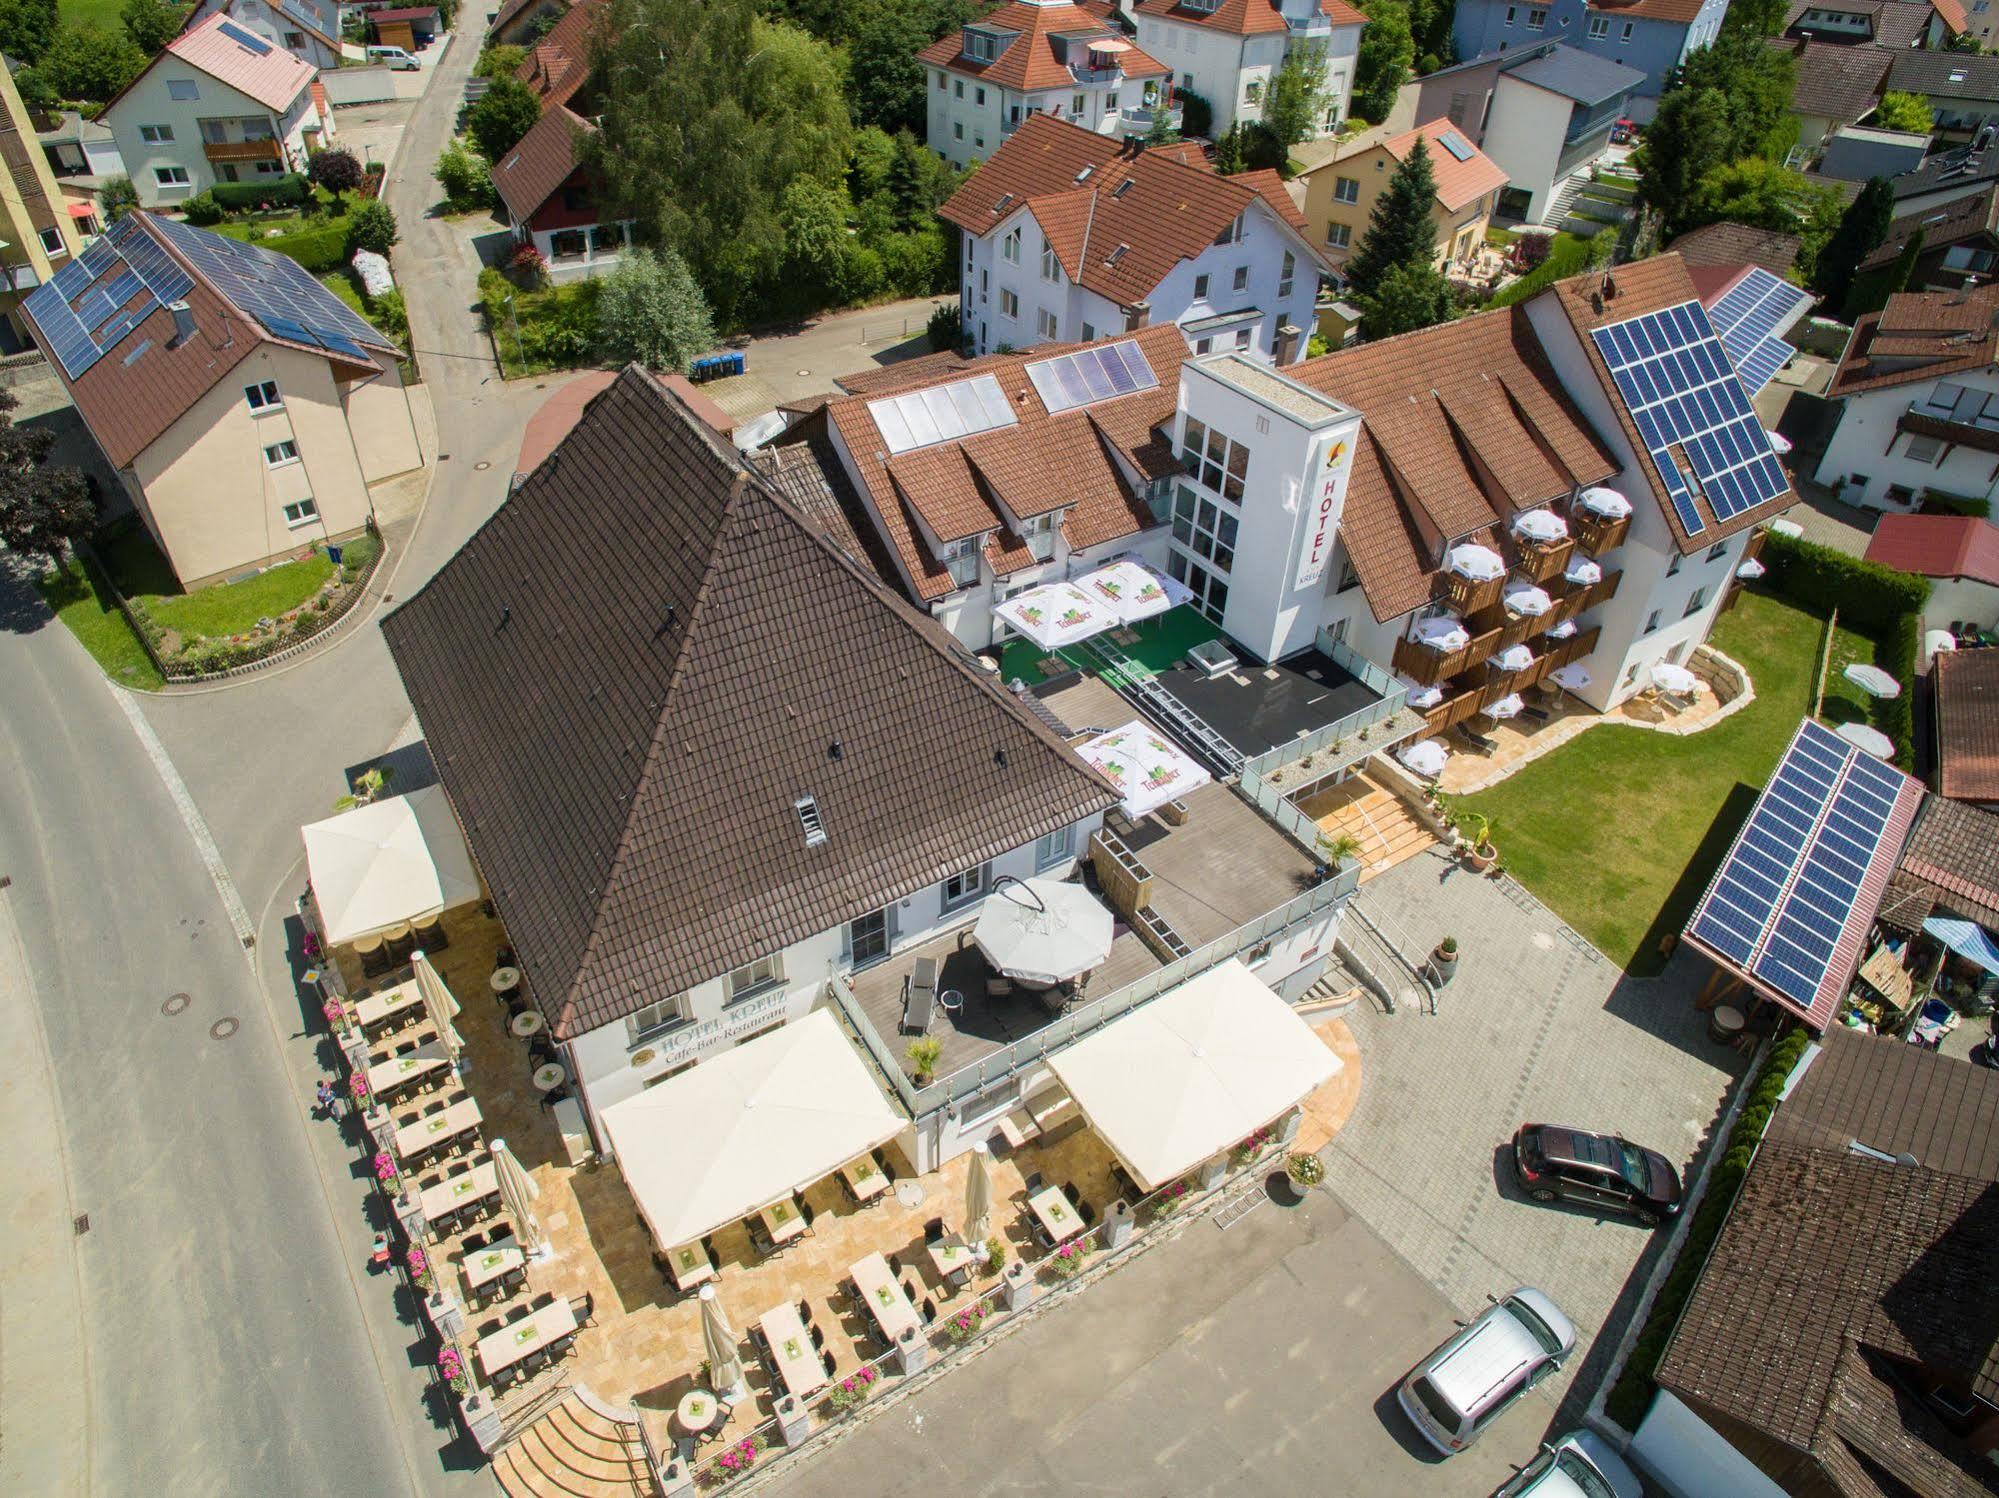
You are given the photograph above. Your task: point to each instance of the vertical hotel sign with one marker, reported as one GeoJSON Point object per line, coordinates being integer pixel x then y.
{"type": "Point", "coordinates": [1322, 518]}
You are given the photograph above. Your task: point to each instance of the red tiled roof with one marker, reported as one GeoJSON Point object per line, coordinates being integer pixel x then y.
{"type": "Point", "coordinates": [1735, 245]}
{"type": "Point", "coordinates": [1244, 17]}
{"type": "Point", "coordinates": [1029, 61]}
{"type": "Point", "coordinates": [559, 64]}
{"type": "Point", "coordinates": [557, 416]}
{"type": "Point", "coordinates": [273, 77]}
{"type": "Point", "coordinates": [541, 162]}
{"type": "Point", "coordinates": [1938, 546]}
{"type": "Point", "coordinates": [1954, 15]}
{"type": "Point", "coordinates": [1458, 182]}
{"type": "Point", "coordinates": [1677, 12]}
{"type": "Point", "coordinates": [1966, 685]}
{"type": "Point", "coordinates": [1919, 336]}
{"type": "Point", "coordinates": [1120, 244]}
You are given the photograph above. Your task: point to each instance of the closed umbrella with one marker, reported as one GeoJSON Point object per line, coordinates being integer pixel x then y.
{"type": "Point", "coordinates": [978, 1197]}
{"type": "Point", "coordinates": [1605, 502]}
{"type": "Point", "coordinates": [1043, 931]}
{"type": "Point", "coordinates": [1524, 598]}
{"type": "Point", "coordinates": [1677, 680]}
{"type": "Point", "coordinates": [1443, 634]}
{"type": "Point", "coordinates": [1571, 678]}
{"type": "Point", "coordinates": [1750, 570]}
{"type": "Point", "coordinates": [1508, 706]}
{"type": "Point", "coordinates": [1513, 658]}
{"type": "Point", "coordinates": [1873, 680]}
{"type": "Point", "coordinates": [1581, 572]}
{"type": "Point", "coordinates": [1426, 759]}
{"type": "Point", "coordinates": [437, 1003]}
{"type": "Point", "coordinates": [1869, 740]}
{"type": "Point", "coordinates": [1540, 525]}
{"type": "Point", "coordinates": [518, 1193]}
{"type": "Point", "coordinates": [1479, 563]}
{"type": "Point", "coordinates": [718, 1341]}
{"type": "Point", "coordinates": [1419, 696]}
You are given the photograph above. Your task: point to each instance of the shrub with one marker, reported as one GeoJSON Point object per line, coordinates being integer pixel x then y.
{"type": "Point", "coordinates": [336, 170]}
{"type": "Point", "coordinates": [288, 191]}
{"type": "Point", "coordinates": [499, 120]}
{"type": "Point", "coordinates": [317, 249]}
{"type": "Point", "coordinates": [499, 60]}
{"type": "Point", "coordinates": [1534, 248]}
{"type": "Point", "coordinates": [390, 315]}
{"type": "Point", "coordinates": [119, 198]}
{"type": "Point", "coordinates": [202, 210]}
{"type": "Point", "coordinates": [466, 179]}
{"type": "Point", "coordinates": [863, 277]}
{"type": "Point", "coordinates": [943, 328]}
{"type": "Point", "coordinates": [372, 227]}
{"type": "Point", "coordinates": [1869, 596]}
{"type": "Point", "coordinates": [1197, 115]}
{"type": "Point", "coordinates": [651, 312]}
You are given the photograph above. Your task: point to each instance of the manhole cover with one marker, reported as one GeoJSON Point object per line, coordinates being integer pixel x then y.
{"type": "Point", "coordinates": [481, 466]}
{"type": "Point", "coordinates": [175, 1004]}
{"type": "Point", "coordinates": [222, 1029]}
{"type": "Point", "coordinates": [909, 1193]}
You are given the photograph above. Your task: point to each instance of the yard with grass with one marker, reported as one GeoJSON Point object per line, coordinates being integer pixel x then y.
{"type": "Point", "coordinates": [1618, 831]}
{"type": "Point", "coordinates": [105, 13]}
{"type": "Point", "coordinates": [221, 610]}
{"type": "Point", "coordinates": [550, 327]}
{"type": "Point", "coordinates": [90, 614]}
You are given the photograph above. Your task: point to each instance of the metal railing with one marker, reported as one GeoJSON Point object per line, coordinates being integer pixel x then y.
{"type": "Point", "coordinates": [1391, 694]}
{"type": "Point", "coordinates": [841, 987]}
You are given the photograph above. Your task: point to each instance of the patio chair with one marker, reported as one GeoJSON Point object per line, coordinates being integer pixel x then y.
{"type": "Point", "coordinates": [583, 1308]}
{"type": "Point", "coordinates": [920, 997]}
{"type": "Point", "coordinates": [805, 1312]}
{"type": "Point", "coordinates": [832, 1368]}
{"type": "Point", "coordinates": [1069, 1190]}
{"type": "Point", "coordinates": [1088, 1213]}
{"type": "Point", "coordinates": [818, 1337]}
{"type": "Point", "coordinates": [929, 1311]}
{"type": "Point", "coordinates": [1033, 1183]}
{"type": "Point", "coordinates": [933, 1230]}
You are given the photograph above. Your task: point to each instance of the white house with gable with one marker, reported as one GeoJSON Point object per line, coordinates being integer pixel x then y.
{"type": "Point", "coordinates": [1229, 51]}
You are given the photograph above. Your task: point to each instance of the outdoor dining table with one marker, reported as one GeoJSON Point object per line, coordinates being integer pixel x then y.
{"type": "Point", "coordinates": [377, 1008]}
{"type": "Point", "coordinates": [783, 1221]}
{"type": "Point", "coordinates": [864, 1178]}
{"type": "Point", "coordinates": [690, 1265]}
{"type": "Point", "coordinates": [387, 1078]}
{"type": "Point", "coordinates": [437, 1128]}
{"type": "Point", "coordinates": [494, 1262]}
{"type": "Point", "coordinates": [1051, 1209]}
{"type": "Point", "coordinates": [796, 1360]}
{"type": "Point", "coordinates": [505, 979]}
{"type": "Point", "coordinates": [449, 1197]}
{"type": "Point", "coordinates": [885, 1299]}
{"type": "Point", "coordinates": [952, 1258]}
{"type": "Point", "coordinates": [550, 1076]}
{"type": "Point", "coordinates": [520, 1339]}
{"type": "Point", "coordinates": [697, 1411]}
{"type": "Point", "coordinates": [526, 1023]}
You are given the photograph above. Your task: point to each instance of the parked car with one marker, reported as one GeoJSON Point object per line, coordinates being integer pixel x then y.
{"type": "Point", "coordinates": [1458, 1390]}
{"type": "Point", "coordinates": [1580, 1465]}
{"type": "Point", "coordinates": [397, 59]}
{"type": "Point", "coordinates": [1598, 1170]}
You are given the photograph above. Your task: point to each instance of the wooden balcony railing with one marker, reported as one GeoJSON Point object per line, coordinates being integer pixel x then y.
{"type": "Point", "coordinates": [242, 150]}
{"type": "Point", "coordinates": [1469, 703]}
{"type": "Point", "coordinates": [1596, 535]}
{"type": "Point", "coordinates": [1465, 597]}
{"type": "Point", "coordinates": [1537, 563]}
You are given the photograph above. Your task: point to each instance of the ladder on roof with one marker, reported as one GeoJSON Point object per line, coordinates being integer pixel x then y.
{"type": "Point", "coordinates": [1137, 686]}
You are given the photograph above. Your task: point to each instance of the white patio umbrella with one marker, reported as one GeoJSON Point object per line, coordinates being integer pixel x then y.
{"type": "Point", "coordinates": [1677, 680]}
{"type": "Point", "coordinates": [1750, 570]}
{"type": "Point", "coordinates": [1570, 678]}
{"type": "Point", "coordinates": [1426, 759]}
{"type": "Point", "coordinates": [1872, 680]}
{"type": "Point", "coordinates": [1936, 641]}
{"type": "Point", "coordinates": [1524, 598]}
{"type": "Point", "coordinates": [1789, 528]}
{"type": "Point", "coordinates": [1042, 931]}
{"type": "Point", "coordinates": [402, 859]}
{"type": "Point", "coordinates": [1605, 502]}
{"type": "Point", "coordinates": [1540, 525]}
{"type": "Point", "coordinates": [1442, 634]}
{"type": "Point", "coordinates": [978, 1197]}
{"type": "Point", "coordinates": [518, 1193]}
{"type": "Point", "coordinates": [1479, 563]}
{"type": "Point", "coordinates": [1128, 589]}
{"type": "Point", "coordinates": [1055, 614]}
{"type": "Point", "coordinates": [1779, 443]}
{"type": "Point", "coordinates": [1867, 740]}
{"type": "Point", "coordinates": [1581, 572]}
{"type": "Point", "coordinates": [1508, 706]}
{"type": "Point", "coordinates": [718, 1342]}
{"type": "Point", "coordinates": [1419, 696]}
{"type": "Point", "coordinates": [1566, 630]}
{"type": "Point", "coordinates": [1147, 770]}
{"type": "Point", "coordinates": [437, 1003]}
{"type": "Point", "coordinates": [1513, 658]}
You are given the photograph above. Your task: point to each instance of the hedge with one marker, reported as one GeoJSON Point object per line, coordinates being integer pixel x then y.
{"type": "Point", "coordinates": [317, 249]}
{"type": "Point", "coordinates": [1632, 1394]}
{"type": "Point", "coordinates": [288, 191]}
{"type": "Point", "coordinates": [1869, 596]}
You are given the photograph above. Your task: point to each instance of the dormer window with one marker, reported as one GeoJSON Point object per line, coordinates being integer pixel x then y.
{"type": "Point", "coordinates": [961, 559]}
{"type": "Point", "coordinates": [984, 46]}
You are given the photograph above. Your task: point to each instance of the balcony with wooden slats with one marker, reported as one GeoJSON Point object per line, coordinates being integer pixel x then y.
{"type": "Point", "coordinates": [1464, 596]}
{"type": "Point", "coordinates": [1536, 561]}
{"type": "Point", "coordinates": [1463, 706]}
{"type": "Point", "coordinates": [242, 150]}
{"type": "Point", "coordinates": [1595, 534]}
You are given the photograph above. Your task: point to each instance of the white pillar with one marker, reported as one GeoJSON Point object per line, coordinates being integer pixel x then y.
{"type": "Point", "coordinates": [912, 1351]}
{"type": "Point", "coordinates": [1211, 1172]}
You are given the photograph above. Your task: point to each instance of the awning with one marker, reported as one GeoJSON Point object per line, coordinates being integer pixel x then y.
{"type": "Point", "coordinates": [1109, 45]}
{"type": "Point", "coordinates": [81, 210]}
{"type": "Point", "coordinates": [1147, 770]}
{"type": "Point", "coordinates": [1966, 939]}
{"type": "Point", "coordinates": [402, 859]}
{"type": "Point", "coordinates": [747, 1127]}
{"type": "Point", "coordinates": [1198, 1069]}
{"type": "Point", "coordinates": [1055, 615]}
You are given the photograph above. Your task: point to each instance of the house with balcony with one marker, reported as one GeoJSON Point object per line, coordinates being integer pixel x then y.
{"type": "Point", "coordinates": [308, 29]}
{"type": "Point", "coordinates": [1960, 245]}
{"type": "Point", "coordinates": [1069, 236]}
{"type": "Point", "coordinates": [1037, 57]}
{"type": "Point", "coordinates": [39, 232]}
{"type": "Point", "coordinates": [1229, 51]}
{"type": "Point", "coordinates": [1340, 192]}
{"type": "Point", "coordinates": [1918, 397]}
{"type": "Point", "coordinates": [219, 104]}
{"type": "Point", "coordinates": [1651, 36]}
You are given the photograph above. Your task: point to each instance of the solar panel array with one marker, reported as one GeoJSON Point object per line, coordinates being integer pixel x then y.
{"type": "Point", "coordinates": [943, 413]}
{"type": "Point", "coordinates": [81, 310]}
{"type": "Point", "coordinates": [1092, 374]}
{"type": "Point", "coordinates": [244, 38]}
{"type": "Point", "coordinates": [276, 291]}
{"type": "Point", "coordinates": [1681, 389]}
{"type": "Point", "coordinates": [1456, 144]}
{"type": "Point", "coordinates": [1781, 901]}
{"type": "Point", "coordinates": [1746, 321]}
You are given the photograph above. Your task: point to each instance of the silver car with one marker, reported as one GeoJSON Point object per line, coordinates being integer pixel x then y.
{"type": "Point", "coordinates": [1580, 1465]}
{"type": "Point", "coordinates": [1458, 1390]}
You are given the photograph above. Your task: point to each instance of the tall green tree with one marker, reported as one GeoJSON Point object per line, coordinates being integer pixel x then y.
{"type": "Point", "coordinates": [1905, 264]}
{"type": "Point", "coordinates": [1756, 80]}
{"type": "Point", "coordinates": [497, 122]}
{"type": "Point", "coordinates": [26, 28]}
{"type": "Point", "coordinates": [919, 180]}
{"type": "Point", "coordinates": [1862, 229]}
{"type": "Point", "coordinates": [152, 23]}
{"type": "Point", "coordinates": [1749, 191]}
{"type": "Point", "coordinates": [1689, 137]}
{"type": "Point", "coordinates": [1901, 111]}
{"type": "Point", "coordinates": [650, 312]}
{"type": "Point", "coordinates": [86, 61]}
{"type": "Point", "coordinates": [1400, 230]}
{"type": "Point", "coordinates": [884, 79]}
{"type": "Point", "coordinates": [1756, 18]}
{"type": "Point", "coordinates": [1387, 52]}
{"type": "Point", "coordinates": [1297, 98]}
{"type": "Point", "coordinates": [43, 506]}
{"type": "Point", "coordinates": [1406, 298]}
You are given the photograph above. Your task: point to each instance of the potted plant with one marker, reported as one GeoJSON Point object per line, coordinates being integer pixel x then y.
{"type": "Point", "coordinates": [1479, 851]}
{"type": "Point", "coordinates": [1165, 1200]}
{"type": "Point", "coordinates": [452, 1366]}
{"type": "Point", "coordinates": [1067, 1261]}
{"type": "Point", "coordinates": [1444, 960]}
{"type": "Point", "coordinates": [368, 785]}
{"type": "Point", "coordinates": [854, 1388]}
{"type": "Point", "coordinates": [995, 1254]}
{"type": "Point", "coordinates": [923, 1054]}
{"type": "Point", "coordinates": [1341, 849]}
{"type": "Point", "coordinates": [1301, 1173]}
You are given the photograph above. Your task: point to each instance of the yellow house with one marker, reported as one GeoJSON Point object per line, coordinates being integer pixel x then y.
{"type": "Point", "coordinates": [38, 234]}
{"type": "Point", "coordinates": [1340, 193]}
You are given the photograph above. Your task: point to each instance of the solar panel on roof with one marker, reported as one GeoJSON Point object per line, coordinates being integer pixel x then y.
{"type": "Point", "coordinates": [1785, 907]}
{"type": "Point", "coordinates": [1456, 144]}
{"type": "Point", "coordinates": [1092, 374]}
{"type": "Point", "coordinates": [272, 288]}
{"type": "Point", "coordinates": [1681, 389]}
{"type": "Point", "coordinates": [244, 38]}
{"type": "Point", "coordinates": [942, 413]}
{"type": "Point", "coordinates": [1746, 320]}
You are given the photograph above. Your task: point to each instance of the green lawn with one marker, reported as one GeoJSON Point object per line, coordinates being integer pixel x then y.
{"type": "Point", "coordinates": [94, 619]}
{"type": "Point", "coordinates": [105, 13]}
{"type": "Point", "coordinates": [1619, 830]}
{"type": "Point", "coordinates": [218, 611]}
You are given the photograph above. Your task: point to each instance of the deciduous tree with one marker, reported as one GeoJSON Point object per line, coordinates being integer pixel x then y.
{"type": "Point", "coordinates": [650, 312]}
{"type": "Point", "coordinates": [1862, 228]}
{"type": "Point", "coordinates": [152, 23]}
{"type": "Point", "coordinates": [1688, 138]}
{"type": "Point", "coordinates": [884, 79]}
{"type": "Point", "coordinates": [373, 227]}
{"type": "Point", "coordinates": [1900, 111]}
{"type": "Point", "coordinates": [85, 61]}
{"type": "Point", "coordinates": [26, 28]}
{"type": "Point", "coordinates": [1400, 230]}
{"type": "Point", "coordinates": [43, 506]}
{"type": "Point", "coordinates": [1387, 52]}
{"type": "Point", "coordinates": [499, 120]}
{"type": "Point", "coordinates": [1407, 297]}
{"type": "Point", "coordinates": [337, 171]}
{"type": "Point", "coordinates": [1297, 97]}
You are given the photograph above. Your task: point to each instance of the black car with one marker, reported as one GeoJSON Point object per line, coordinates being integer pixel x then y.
{"type": "Point", "coordinates": [1598, 1170]}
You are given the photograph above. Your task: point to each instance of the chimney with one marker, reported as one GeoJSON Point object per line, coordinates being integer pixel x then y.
{"type": "Point", "coordinates": [183, 323]}
{"type": "Point", "coordinates": [1287, 345]}
{"type": "Point", "coordinates": [1136, 316]}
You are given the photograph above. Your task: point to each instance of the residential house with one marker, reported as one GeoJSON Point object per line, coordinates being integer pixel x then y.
{"type": "Point", "coordinates": [1543, 114]}
{"type": "Point", "coordinates": [1961, 88]}
{"type": "Point", "coordinates": [1069, 235]}
{"type": "Point", "coordinates": [1960, 243]}
{"type": "Point", "coordinates": [1228, 52]}
{"type": "Point", "coordinates": [1918, 396]}
{"type": "Point", "coordinates": [1340, 193]}
{"type": "Point", "coordinates": [39, 232]}
{"type": "Point", "coordinates": [1944, 177]}
{"type": "Point", "coordinates": [308, 29]}
{"type": "Point", "coordinates": [1949, 869]}
{"type": "Point", "coordinates": [547, 194]}
{"type": "Point", "coordinates": [1037, 57]}
{"type": "Point", "coordinates": [1896, 25]}
{"type": "Point", "coordinates": [1651, 36]}
{"type": "Point", "coordinates": [1836, 85]}
{"type": "Point", "coordinates": [521, 23]}
{"type": "Point", "coordinates": [557, 67]}
{"type": "Point", "coordinates": [1964, 686]}
{"type": "Point", "coordinates": [748, 820]}
{"type": "Point", "coordinates": [1855, 153]}
{"type": "Point", "coordinates": [245, 409]}
{"type": "Point", "coordinates": [82, 156]}
{"type": "Point", "coordinates": [1840, 1337]}
{"type": "Point", "coordinates": [219, 104]}
{"type": "Point", "coordinates": [1959, 554]}
{"type": "Point", "coordinates": [1730, 245]}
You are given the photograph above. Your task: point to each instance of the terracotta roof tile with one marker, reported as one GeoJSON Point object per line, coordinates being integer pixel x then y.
{"type": "Point", "coordinates": [1937, 546]}
{"type": "Point", "coordinates": [1954, 852]}
{"type": "Point", "coordinates": [943, 488]}
{"type": "Point", "coordinates": [1738, 244]}
{"type": "Point", "coordinates": [1966, 685]}
{"type": "Point", "coordinates": [273, 77]}
{"type": "Point", "coordinates": [1678, 12]}
{"type": "Point", "coordinates": [1835, 79]}
{"type": "Point", "coordinates": [1029, 60]}
{"type": "Point", "coordinates": [1953, 223]}
{"type": "Point", "coordinates": [542, 162]}
{"type": "Point", "coordinates": [1942, 332]}
{"type": "Point", "coordinates": [1458, 182]}
{"type": "Point", "coordinates": [633, 670]}
{"type": "Point", "coordinates": [1244, 17]}
{"type": "Point", "coordinates": [944, 364]}
{"type": "Point", "coordinates": [558, 65]}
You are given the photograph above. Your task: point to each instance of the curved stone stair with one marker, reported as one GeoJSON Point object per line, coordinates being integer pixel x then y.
{"type": "Point", "coordinates": [576, 1450]}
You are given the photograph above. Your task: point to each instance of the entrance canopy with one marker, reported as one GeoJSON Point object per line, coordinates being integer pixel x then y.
{"type": "Point", "coordinates": [747, 1128]}
{"type": "Point", "coordinates": [1147, 770]}
{"type": "Point", "coordinates": [397, 860]}
{"type": "Point", "coordinates": [1196, 1070]}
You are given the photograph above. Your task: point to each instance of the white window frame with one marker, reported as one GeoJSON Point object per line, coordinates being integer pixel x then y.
{"type": "Point", "coordinates": [1717, 551]}
{"type": "Point", "coordinates": [182, 90]}
{"type": "Point", "coordinates": [1599, 28]}
{"type": "Point", "coordinates": [1287, 276]}
{"type": "Point", "coordinates": [753, 978]}
{"type": "Point", "coordinates": [1089, 333]}
{"type": "Point", "coordinates": [1339, 236]}
{"type": "Point", "coordinates": [283, 459]}
{"type": "Point", "coordinates": [963, 888]}
{"type": "Point", "coordinates": [1696, 601]}
{"type": "Point", "coordinates": [1652, 622]}
{"type": "Point", "coordinates": [171, 176]}
{"type": "Point", "coordinates": [157, 135]}
{"type": "Point", "coordinates": [1221, 469]}
{"type": "Point", "coordinates": [1346, 189]}
{"type": "Point", "coordinates": [1058, 847]}
{"type": "Point", "coordinates": [1625, 37]}
{"type": "Point", "coordinates": [1201, 288]}
{"type": "Point", "coordinates": [1045, 324]}
{"type": "Point", "coordinates": [58, 248]}
{"type": "Point", "coordinates": [1010, 246]}
{"type": "Point", "coordinates": [1241, 281]}
{"type": "Point", "coordinates": [1051, 264]}
{"type": "Point", "coordinates": [1009, 304]}
{"type": "Point", "coordinates": [1510, 10]}
{"type": "Point", "coordinates": [656, 1019]}
{"type": "Point", "coordinates": [961, 560]}
{"type": "Point", "coordinates": [264, 396]}
{"type": "Point", "coordinates": [1537, 18]}
{"type": "Point", "coordinates": [301, 512]}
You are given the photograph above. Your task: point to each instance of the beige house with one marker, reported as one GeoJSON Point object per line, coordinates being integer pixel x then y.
{"type": "Point", "coordinates": [245, 408]}
{"type": "Point", "coordinates": [1339, 194]}
{"type": "Point", "coordinates": [38, 233]}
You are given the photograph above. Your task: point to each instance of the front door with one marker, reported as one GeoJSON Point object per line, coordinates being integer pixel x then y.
{"type": "Point", "coordinates": [867, 938]}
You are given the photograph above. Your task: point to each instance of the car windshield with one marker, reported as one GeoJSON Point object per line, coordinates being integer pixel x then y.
{"type": "Point", "coordinates": [1538, 1329]}
{"type": "Point", "coordinates": [1631, 1164]}
{"type": "Point", "coordinates": [1432, 1401]}
{"type": "Point", "coordinates": [1587, 1479]}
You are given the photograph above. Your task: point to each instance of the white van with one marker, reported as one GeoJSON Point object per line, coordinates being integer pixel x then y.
{"type": "Point", "coordinates": [398, 60]}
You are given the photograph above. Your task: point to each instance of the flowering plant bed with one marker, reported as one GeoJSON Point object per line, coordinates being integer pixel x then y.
{"type": "Point", "coordinates": [452, 1366]}
{"type": "Point", "coordinates": [1166, 1201]}
{"type": "Point", "coordinates": [419, 1267]}
{"type": "Point", "coordinates": [387, 1171]}
{"type": "Point", "coordinates": [1251, 1147]}
{"type": "Point", "coordinates": [336, 1015]}
{"type": "Point", "coordinates": [735, 1460]}
{"type": "Point", "coordinates": [962, 1326]}
{"type": "Point", "coordinates": [357, 1087]}
{"type": "Point", "coordinates": [853, 1389]}
{"type": "Point", "coordinates": [1067, 1261]}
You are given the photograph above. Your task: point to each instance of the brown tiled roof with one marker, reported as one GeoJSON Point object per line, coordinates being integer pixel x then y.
{"type": "Point", "coordinates": [1897, 23]}
{"type": "Point", "coordinates": [1879, 1438]}
{"type": "Point", "coordinates": [1834, 80]}
{"type": "Point", "coordinates": [1244, 17]}
{"type": "Point", "coordinates": [805, 470]}
{"type": "Point", "coordinates": [940, 484]}
{"type": "Point", "coordinates": [542, 162]}
{"type": "Point", "coordinates": [1458, 182]}
{"type": "Point", "coordinates": [1896, 1098]}
{"type": "Point", "coordinates": [1738, 244]}
{"type": "Point", "coordinates": [507, 12]}
{"type": "Point", "coordinates": [1919, 336]}
{"type": "Point", "coordinates": [559, 64]}
{"type": "Point", "coordinates": [1966, 686]}
{"type": "Point", "coordinates": [1952, 860]}
{"type": "Point", "coordinates": [1953, 223]}
{"type": "Point", "coordinates": [1937, 546]}
{"type": "Point", "coordinates": [944, 364]}
{"type": "Point", "coordinates": [1029, 61]}
{"type": "Point", "coordinates": [1120, 244]}
{"type": "Point", "coordinates": [635, 668]}
{"type": "Point", "coordinates": [1631, 291]}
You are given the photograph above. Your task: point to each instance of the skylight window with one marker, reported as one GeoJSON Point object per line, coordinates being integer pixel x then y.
{"type": "Point", "coordinates": [807, 808]}
{"type": "Point", "coordinates": [1456, 144]}
{"type": "Point", "coordinates": [1006, 199]}
{"type": "Point", "coordinates": [1117, 254]}
{"type": "Point", "coordinates": [942, 413]}
{"type": "Point", "coordinates": [1122, 188]}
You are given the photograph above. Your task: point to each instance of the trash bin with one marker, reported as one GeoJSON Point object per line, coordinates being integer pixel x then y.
{"type": "Point", "coordinates": [333, 555]}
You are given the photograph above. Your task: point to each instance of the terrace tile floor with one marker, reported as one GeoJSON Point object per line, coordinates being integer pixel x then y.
{"type": "Point", "coordinates": [1523, 740]}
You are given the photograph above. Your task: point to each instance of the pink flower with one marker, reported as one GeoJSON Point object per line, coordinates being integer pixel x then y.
{"type": "Point", "coordinates": [385, 1167]}
{"type": "Point", "coordinates": [358, 1085]}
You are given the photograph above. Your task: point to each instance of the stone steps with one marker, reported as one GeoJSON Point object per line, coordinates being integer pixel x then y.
{"type": "Point", "coordinates": [574, 1451]}
{"type": "Point", "coordinates": [1384, 827]}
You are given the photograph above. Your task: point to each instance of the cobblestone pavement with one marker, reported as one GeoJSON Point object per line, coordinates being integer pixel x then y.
{"type": "Point", "coordinates": [1536, 1026]}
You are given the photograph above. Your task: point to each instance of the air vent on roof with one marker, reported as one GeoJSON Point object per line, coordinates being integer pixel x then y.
{"type": "Point", "coordinates": [1122, 188]}
{"type": "Point", "coordinates": [808, 818]}
{"type": "Point", "coordinates": [1116, 255]}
